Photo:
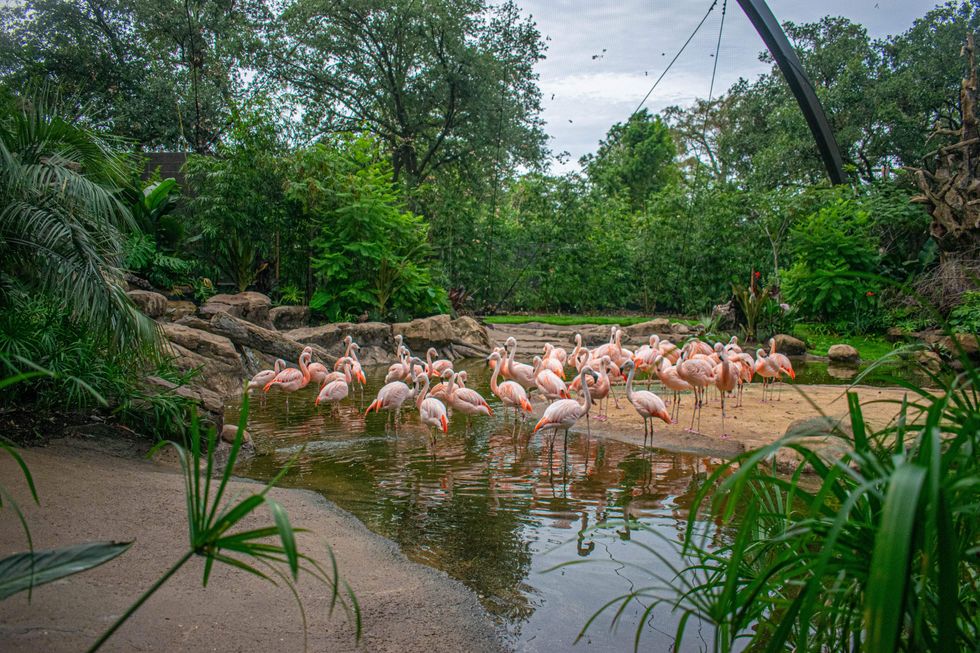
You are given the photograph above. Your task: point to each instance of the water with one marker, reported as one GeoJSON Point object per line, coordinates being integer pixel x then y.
{"type": "Point", "coordinates": [495, 512]}
{"type": "Point", "coordinates": [821, 373]}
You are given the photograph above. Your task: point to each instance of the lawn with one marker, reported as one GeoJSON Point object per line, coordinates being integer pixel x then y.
{"type": "Point", "coordinates": [570, 320]}
{"type": "Point", "coordinates": [870, 347]}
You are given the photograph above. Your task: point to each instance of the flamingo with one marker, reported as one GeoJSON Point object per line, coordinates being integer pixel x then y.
{"type": "Point", "coordinates": [469, 402]}
{"type": "Point", "coordinates": [350, 352]}
{"type": "Point", "coordinates": [432, 412]}
{"type": "Point", "coordinates": [782, 360]}
{"type": "Point", "coordinates": [510, 393]}
{"type": "Point", "coordinates": [441, 391]}
{"type": "Point", "coordinates": [436, 368]}
{"type": "Point", "coordinates": [699, 372]}
{"type": "Point", "coordinates": [606, 348]}
{"type": "Point", "coordinates": [668, 376]}
{"type": "Point", "coordinates": [523, 374]}
{"type": "Point", "coordinates": [726, 378]}
{"type": "Point", "coordinates": [647, 404]}
{"type": "Point", "coordinates": [292, 379]}
{"type": "Point", "coordinates": [345, 373]}
{"type": "Point", "coordinates": [402, 370]}
{"type": "Point", "coordinates": [547, 382]}
{"type": "Point", "coordinates": [263, 377]}
{"type": "Point", "coordinates": [333, 392]}
{"type": "Point", "coordinates": [318, 371]}
{"type": "Point", "coordinates": [551, 362]}
{"type": "Point", "coordinates": [563, 413]}
{"type": "Point", "coordinates": [601, 389]}
{"type": "Point", "coordinates": [768, 369]}
{"type": "Point", "coordinates": [390, 398]}
{"type": "Point", "coordinates": [576, 360]}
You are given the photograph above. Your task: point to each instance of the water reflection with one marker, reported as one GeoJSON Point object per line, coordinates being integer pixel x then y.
{"type": "Point", "coordinates": [495, 510]}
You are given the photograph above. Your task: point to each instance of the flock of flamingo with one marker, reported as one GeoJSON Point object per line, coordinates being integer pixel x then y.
{"type": "Point", "coordinates": [695, 367]}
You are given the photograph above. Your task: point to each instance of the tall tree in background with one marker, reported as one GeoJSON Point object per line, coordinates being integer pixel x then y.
{"type": "Point", "coordinates": [165, 73]}
{"type": "Point", "coordinates": [635, 159]}
{"type": "Point", "coordinates": [438, 81]}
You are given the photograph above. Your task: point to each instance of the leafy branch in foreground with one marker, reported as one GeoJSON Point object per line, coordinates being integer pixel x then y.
{"type": "Point", "coordinates": [210, 532]}
{"type": "Point", "coordinates": [877, 552]}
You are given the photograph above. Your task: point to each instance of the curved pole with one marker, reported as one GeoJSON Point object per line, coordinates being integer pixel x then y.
{"type": "Point", "coordinates": [771, 32]}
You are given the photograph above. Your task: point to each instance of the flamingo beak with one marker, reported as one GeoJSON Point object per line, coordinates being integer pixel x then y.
{"type": "Point", "coordinates": [361, 378]}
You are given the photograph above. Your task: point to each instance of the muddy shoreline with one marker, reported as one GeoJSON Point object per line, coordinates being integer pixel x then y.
{"type": "Point", "coordinates": [99, 489]}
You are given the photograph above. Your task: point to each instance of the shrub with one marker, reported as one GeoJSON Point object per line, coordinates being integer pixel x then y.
{"type": "Point", "coordinates": [833, 249]}
{"type": "Point", "coordinates": [966, 316]}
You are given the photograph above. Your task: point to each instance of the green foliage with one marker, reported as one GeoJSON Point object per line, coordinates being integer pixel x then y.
{"type": "Point", "coordinates": [162, 270]}
{"type": "Point", "coordinates": [832, 249]}
{"type": "Point", "coordinates": [966, 316]}
{"type": "Point", "coordinates": [290, 295]}
{"type": "Point", "coordinates": [819, 339]}
{"type": "Point", "coordinates": [754, 302]}
{"type": "Point", "coordinates": [22, 571]}
{"type": "Point", "coordinates": [62, 222]}
{"type": "Point", "coordinates": [635, 159]}
{"type": "Point", "coordinates": [369, 253]}
{"type": "Point", "coordinates": [876, 552]}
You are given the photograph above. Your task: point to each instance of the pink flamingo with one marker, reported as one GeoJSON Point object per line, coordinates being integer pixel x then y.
{"type": "Point", "coordinates": [333, 392]}
{"type": "Point", "coordinates": [437, 367]}
{"type": "Point", "coordinates": [510, 393]}
{"type": "Point", "coordinates": [699, 372]}
{"type": "Point", "coordinates": [351, 352]}
{"type": "Point", "coordinates": [671, 380]}
{"type": "Point", "coordinates": [768, 369]}
{"type": "Point", "coordinates": [292, 379]}
{"type": "Point", "coordinates": [726, 379]}
{"type": "Point", "coordinates": [782, 360]}
{"type": "Point", "coordinates": [441, 390]}
{"type": "Point", "coordinates": [390, 398]}
{"type": "Point", "coordinates": [469, 402]}
{"type": "Point", "coordinates": [647, 404]}
{"type": "Point", "coordinates": [519, 372]}
{"type": "Point", "coordinates": [602, 389]}
{"type": "Point", "coordinates": [547, 382]}
{"type": "Point", "coordinates": [577, 361]}
{"type": "Point", "coordinates": [259, 380]}
{"type": "Point", "coordinates": [345, 374]}
{"type": "Point", "coordinates": [402, 370]}
{"type": "Point", "coordinates": [607, 348]}
{"type": "Point", "coordinates": [563, 413]}
{"type": "Point", "coordinates": [318, 371]}
{"type": "Point", "coordinates": [432, 412]}
{"type": "Point", "coordinates": [551, 362]}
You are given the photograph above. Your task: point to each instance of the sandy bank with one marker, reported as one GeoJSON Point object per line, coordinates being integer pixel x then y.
{"type": "Point", "coordinates": [97, 490]}
{"type": "Point", "coordinates": [754, 424]}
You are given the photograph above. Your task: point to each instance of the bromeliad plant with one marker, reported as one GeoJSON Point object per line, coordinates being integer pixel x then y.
{"type": "Point", "coordinates": [878, 553]}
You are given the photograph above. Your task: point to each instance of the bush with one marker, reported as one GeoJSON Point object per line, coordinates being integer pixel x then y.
{"type": "Point", "coordinates": [966, 316]}
{"type": "Point", "coordinates": [835, 254]}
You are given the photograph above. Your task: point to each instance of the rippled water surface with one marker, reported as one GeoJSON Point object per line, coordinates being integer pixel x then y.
{"type": "Point", "coordinates": [494, 511]}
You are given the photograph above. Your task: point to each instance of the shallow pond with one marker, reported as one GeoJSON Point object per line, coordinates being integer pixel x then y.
{"type": "Point", "coordinates": [496, 512]}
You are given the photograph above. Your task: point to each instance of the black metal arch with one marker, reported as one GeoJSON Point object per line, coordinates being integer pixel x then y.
{"type": "Point", "coordinates": [772, 33]}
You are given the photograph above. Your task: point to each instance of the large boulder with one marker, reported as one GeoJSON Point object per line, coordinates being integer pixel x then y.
{"type": "Point", "coordinates": [374, 339]}
{"type": "Point", "coordinates": [180, 309]}
{"type": "Point", "coordinates": [843, 354]}
{"type": "Point", "coordinates": [268, 341]}
{"type": "Point", "coordinates": [470, 338]}
{"type": "Point", "coordinates": [641, 332]}
{"type": "Point", "coordinates": [967, 342]}
{"type": "Point", "coordinates": [789, 345]}
{"type": "Point", "coordinates": [827, 437]}
{"type": "Point", "coordinates": [210, 403]}
{"type": "Point", "coordinates": [252, 307]}
{"type": "Point", "coordinates": [425, 332]}
{"type": "Point", "coordinates": [220, 366]}
{"type": "Point", "coordinates": [725, 314]}
{"type": "Point", "coordinates": [152, 304]}
{"type": "Point", "coordinates": [285, 318]}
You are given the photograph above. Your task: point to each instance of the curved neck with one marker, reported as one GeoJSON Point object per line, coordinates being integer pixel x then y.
{"type": "Point", "coordinates": [629, 384]}
{"type": "Point", "coordinates": [350, 346]}
{"type": "Point", "coordinates": [347, 377]}
{"type": "Point", "coordinates": [303, 368]}
{"type": "Point", "coordinates": [451, 386]}
{"type": "Point", "coordinates": [585, 391]}
{"type": "Point", "coordinates": [425, 390]}
{"type": "Point", "coordinates": [493, 378]}
{"type": "Point", "coordinates": [280, 364]}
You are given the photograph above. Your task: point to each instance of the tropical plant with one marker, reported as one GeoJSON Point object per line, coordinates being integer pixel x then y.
{"type": "Point", "coordinates": [62, 222]}
{"type": "Point", "coordinates": [876, 553]}
{"type": "Point", "coordinates": [966, 316]}
{"type": "Point", "coordinates": [754, 303]}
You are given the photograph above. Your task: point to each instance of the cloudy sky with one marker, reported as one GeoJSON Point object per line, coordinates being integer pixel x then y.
{"type": "Point", "coordinates": [603, 57]}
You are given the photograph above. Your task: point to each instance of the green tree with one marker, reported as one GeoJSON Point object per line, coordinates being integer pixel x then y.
{"type": "Point", "coordinates": [438, 82]}
{"type": "Point", "coordinates": [635, 159]}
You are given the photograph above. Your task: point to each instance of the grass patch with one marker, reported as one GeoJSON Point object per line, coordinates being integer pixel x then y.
{"type": "Point", "coordinates": [571, 320]}
{"type": "Point", "coordinates": [870, 347]}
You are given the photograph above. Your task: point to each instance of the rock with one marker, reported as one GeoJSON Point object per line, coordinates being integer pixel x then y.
{"type": "Point", "coordinates": [289, 317]}
{"type": "Point", "coordinates": [829, 438]}
{"type": "Point", "coordinates": [374, 338]}
{"type": "Point", "coordinates": [789, 345]}
{"type": "Point", "coordinates": [680, 329]}
{"type": "Point", "coordinates": [208, 402]}
{"type": "Point", "coordinates": [843, 354]}
{"type": "Point", "coordinates": [896, 334]}
{"type": "Point", "coordinates": [842, 372]}
{"type": "Point", "coordinates": [267, 341]}
{"type": "Point", "coordinates": [252, 307]}
{"type": "Point", "coordinates": [468, 333]}
{"type": "Point", "coordinates": [179, 309]}
{"type": "Point", "coordinates": [725, 314]}
{"type": "Point", "coordinates": [152, 304]}
{"type": "Point", "coordinates": [593, 336]}
{"type": "Point", "coordinates": [929, 360]}
{"type": "Point", "coordinates": [422, 333]}
{"type": "Point", "coordinates": [219, 365]}
{"type": "Point", "coordinates": [961, 341]}
{"type": "Point", "coordinates": [230, 431]}
{"type": "Point", "coordinates": [641, 332]}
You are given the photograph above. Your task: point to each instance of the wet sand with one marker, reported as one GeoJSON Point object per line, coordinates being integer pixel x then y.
{"type": "Point", "coordinates": [754, 424]}
{"type": "Point", "coordinates": [97, 489]}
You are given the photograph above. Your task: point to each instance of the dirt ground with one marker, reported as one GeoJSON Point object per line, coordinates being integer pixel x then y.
{"type": "Point", "coordinates": [752, 425]}
{"type": "Point", "coordinates": [97, 490]}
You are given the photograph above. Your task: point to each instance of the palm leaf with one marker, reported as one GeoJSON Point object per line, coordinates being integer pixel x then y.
{"type": "Point", "coordinates": [22, 571]}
